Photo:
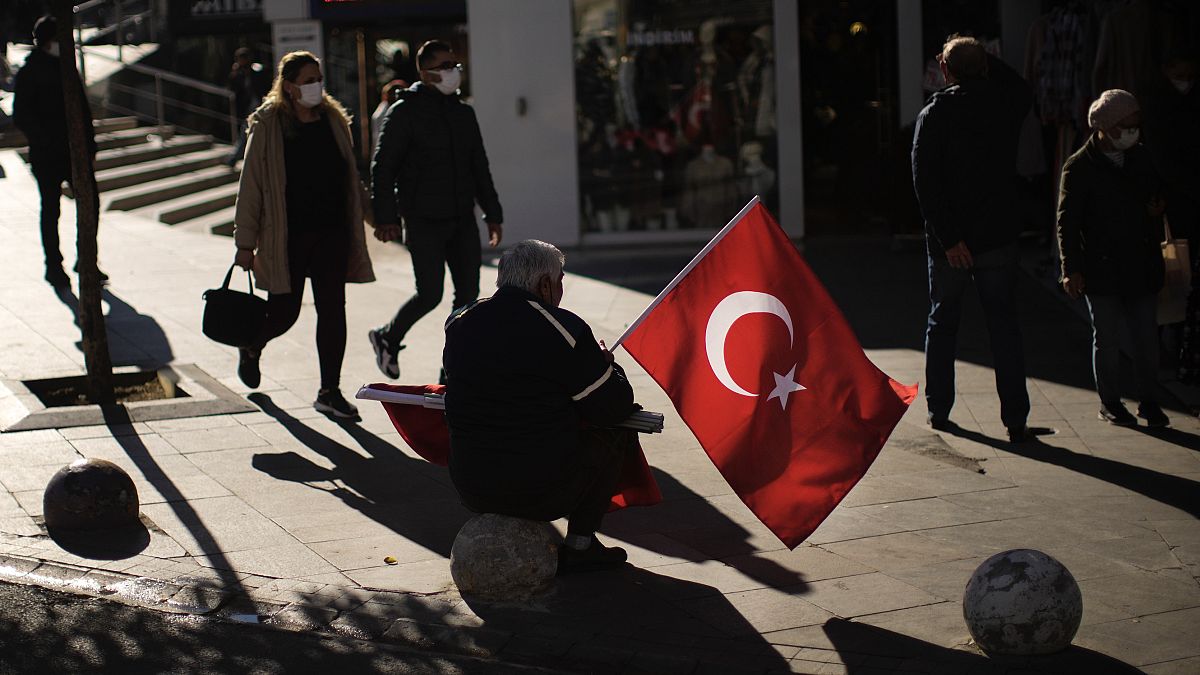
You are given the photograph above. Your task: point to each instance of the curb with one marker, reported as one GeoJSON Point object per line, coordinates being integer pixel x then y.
{"type": "Point", "coordinates": [385, 617]}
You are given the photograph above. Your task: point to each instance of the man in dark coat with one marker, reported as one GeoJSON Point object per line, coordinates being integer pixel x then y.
{"type": "Point", "coordinates": [39, 112]}
{"type": "Point", "coordinates": [524, 377]}
{"type": "Point", "coordinates": [1109, 228]}
{"type": "Point", "coordinates": [429, 170]}
{"type": "Point", "coordinates": [964, 171]}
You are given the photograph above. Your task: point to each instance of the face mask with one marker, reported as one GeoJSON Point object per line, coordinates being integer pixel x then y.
{"type": "Point", "coordinates": [1182, 86]}
{"type": "Point", "coordinates": [1127, 139]}
{"type": "Point", "coordinates": [52, 50]}
{"type": "Point", "coordinates": [311, 94]}
{"type": "Point", "coordinates": [450, 81]}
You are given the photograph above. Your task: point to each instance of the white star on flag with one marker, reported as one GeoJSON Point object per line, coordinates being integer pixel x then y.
{"type": "Point", "coordinates": [784, 386]}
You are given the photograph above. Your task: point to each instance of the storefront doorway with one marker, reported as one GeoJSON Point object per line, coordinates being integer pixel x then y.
{"type": "Point", "coordinates": [856, 179]}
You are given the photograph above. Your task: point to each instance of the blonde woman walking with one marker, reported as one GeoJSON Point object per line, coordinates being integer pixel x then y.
{"type": "Point", "coordinates": [300, 214]}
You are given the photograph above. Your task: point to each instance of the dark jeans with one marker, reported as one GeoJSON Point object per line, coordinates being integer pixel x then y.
{"type": "Point", "coordinates": [584, 498]}
{"type": "Point", "coordinates": [1111, 313]}
{"type": "Point", "coordinates": [434, 245]}
{"type": "Point", "coordinates": [995, 277]}
{"type": "Point", "coordinates": [50, 177]}
{"type": "Point", "coordinates": [322, 256]}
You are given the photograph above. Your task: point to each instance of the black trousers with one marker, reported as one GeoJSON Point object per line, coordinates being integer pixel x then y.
{"type": "Point", "coordinates": [322, 256]}
{"type": "Point", "coordinates": [50, 177]}
{"type": "Point", "coordinates": [584, 497]}
{"type": "Point", "coordinates": [433, 246]}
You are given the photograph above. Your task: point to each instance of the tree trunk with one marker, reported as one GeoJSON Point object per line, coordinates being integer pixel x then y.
{"type": "Point", "coordinates": [87, 208]}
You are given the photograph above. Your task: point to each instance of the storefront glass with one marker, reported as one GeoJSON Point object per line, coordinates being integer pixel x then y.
{"type": "Point", "coordinates": [675, 107]}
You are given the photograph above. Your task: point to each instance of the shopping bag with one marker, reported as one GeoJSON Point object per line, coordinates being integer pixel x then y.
{"type": "Point", "coordinates": [232, 317]}
{"type": "Point", "coordinates": [1173, 298]}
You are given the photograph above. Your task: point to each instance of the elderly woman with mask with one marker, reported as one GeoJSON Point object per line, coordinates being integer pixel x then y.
{"type": "Point", "coordinates": [300, 214]}
{"type": "Point", "coordinates": [1109, 228]}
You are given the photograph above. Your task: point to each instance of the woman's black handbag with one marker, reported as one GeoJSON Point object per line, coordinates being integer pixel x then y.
{"type": "Point", "coordinates": [231, 317]}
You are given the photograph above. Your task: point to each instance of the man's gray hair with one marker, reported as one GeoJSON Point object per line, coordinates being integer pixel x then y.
{"type": "Point", "coordinates": [525, 264]}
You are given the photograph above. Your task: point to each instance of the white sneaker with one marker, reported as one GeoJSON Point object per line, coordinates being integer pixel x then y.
{"type": "Point", "coordinates": [385, 357]}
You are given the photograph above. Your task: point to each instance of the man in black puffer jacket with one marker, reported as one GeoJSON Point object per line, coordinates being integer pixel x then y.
{"type": "Point", "coordinates": [39, 112]}
{"type": "Point", "coordinates": [530, 401]}
{"type": "Point", "coordinates": [430, 169]}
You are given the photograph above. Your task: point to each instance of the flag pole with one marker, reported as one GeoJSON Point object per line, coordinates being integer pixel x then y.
{"type": "Point", "coordinates": [684, 272]}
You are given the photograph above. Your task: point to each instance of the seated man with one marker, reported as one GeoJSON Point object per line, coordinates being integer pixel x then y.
{"type": "Point", "coordinates": [529, 393]}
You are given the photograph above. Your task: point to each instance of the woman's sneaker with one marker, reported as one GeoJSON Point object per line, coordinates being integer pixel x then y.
{"type": "Point", "coordinates": [248, 370]}
{"type": "Point", "coordinates": [385, 356]}
{"type": "Point", "coordinates": [332, 403]}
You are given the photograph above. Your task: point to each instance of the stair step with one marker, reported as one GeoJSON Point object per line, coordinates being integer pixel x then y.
{"type": "Point", "coordinates": [137, 196]}
{"type": "Point", "coordinates": [202, 203]}
{"type": "Point", "coordinates": [127, 137]}
{"type": "Point", "coordinates": [110, 159]}
{"type": "Point", "coordinates": [114, 124]}
{"type": "Point", "coordinates": [120, 135]}
{"type": "Point", "coordinates": [138, 174]}
{"type": "Point", "coordinates": [218, 222]}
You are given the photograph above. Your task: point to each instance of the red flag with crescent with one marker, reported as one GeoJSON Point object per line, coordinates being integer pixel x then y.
{"type": "Point", "coordinates": [769, 376]}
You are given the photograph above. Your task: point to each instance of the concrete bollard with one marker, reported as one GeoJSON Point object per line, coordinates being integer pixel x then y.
{"type": "Point", "coordinates": [1022, 602]}
{"type": "Point", "coordinates": [88, 495]}
{"type": "Point", "coordinates": [504, 558]}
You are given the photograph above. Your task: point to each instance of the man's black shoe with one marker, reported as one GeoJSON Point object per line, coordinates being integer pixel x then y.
{"type": "Point", "coordinates": [1117, 415]}
{"type": "Point", "coordinates": [591, 559]}
{"type": "Point", "coordinates": [103, 276]}
{"type": "Point", "coordinates": [57, 277]}
{"type": "Point", "coordinates": [940, 424]}
{"type": "Point", "coordinates": [1153, 415]}
{"type": "Point", "coordinates": [248, 370]}
{"type": "Point", "coordinates": [332, 403]}
{"type": "Point", "coordinates": [1020, 434]}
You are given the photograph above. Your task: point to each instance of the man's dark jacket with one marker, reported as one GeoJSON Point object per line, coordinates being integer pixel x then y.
{"type": "Point", "coordinates": [40, 113]}
{"type": "Point", "coordinates": [521, 378]}
{"type": "Point", "coordinates": [1104, 228]}
{"type": "Point", "coordinates": [964, 159]}
{"type": "Point", "coordinates": [430, 163]}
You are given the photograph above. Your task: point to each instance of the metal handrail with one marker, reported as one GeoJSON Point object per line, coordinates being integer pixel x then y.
{"type": "Point", "coordinates": [161, 76]}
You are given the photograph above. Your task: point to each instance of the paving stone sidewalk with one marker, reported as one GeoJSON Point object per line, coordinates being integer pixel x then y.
{"type": "Point", "coordinates": [284, 516]}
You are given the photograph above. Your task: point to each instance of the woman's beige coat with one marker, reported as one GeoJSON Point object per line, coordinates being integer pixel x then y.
{"type": "Point", "coordinates": [260, 218]}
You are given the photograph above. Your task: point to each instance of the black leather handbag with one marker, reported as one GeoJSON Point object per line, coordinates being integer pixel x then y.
{"type": "Point", "coordinates": [232, 317]}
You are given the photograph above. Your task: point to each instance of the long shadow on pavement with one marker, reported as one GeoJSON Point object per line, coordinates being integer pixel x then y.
{"type": "Point", "coordinates": [389, 487]}
{"type": "Point", "coordinates": [647, 622]}
{"type": "Point", "coordinates": [687, 526]}
{"type": "Point", "coordinates": [869, 649]}
{"type": "Point", "coordinates": [118, 421]}
{"type": "Point", "coordinates": [143, 341]}
{"type": "Point", "coordinates": [1181, 493]}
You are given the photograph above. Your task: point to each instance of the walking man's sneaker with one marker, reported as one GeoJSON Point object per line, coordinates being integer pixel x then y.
{"type": "Point", "coordinates": [332, 403]}
{"type": "Point", "coordinates": [1153, 414]}
{"type": "Point", "coordinates": [1117, 415]}
{"type": "Point", "coordinates": [248, 370]}
{"type": "Point", "coordinates": [385, 356]}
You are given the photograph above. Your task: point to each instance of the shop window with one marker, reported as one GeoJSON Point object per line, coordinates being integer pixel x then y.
{"type": "Point", "coordinates": [675, 107]}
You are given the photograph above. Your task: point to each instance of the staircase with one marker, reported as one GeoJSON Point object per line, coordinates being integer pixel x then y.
{"type": "Point", "coordinates": [179, 180]}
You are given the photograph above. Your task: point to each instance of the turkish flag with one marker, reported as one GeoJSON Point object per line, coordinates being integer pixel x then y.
{"type": "Point", "coordinates": [766, 372]}
{"type": "Point", "coordinates": [425, 431]}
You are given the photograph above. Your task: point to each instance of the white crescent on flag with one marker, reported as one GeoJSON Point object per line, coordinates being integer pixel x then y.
{"type": "Point", "coordinates": [733, 307]}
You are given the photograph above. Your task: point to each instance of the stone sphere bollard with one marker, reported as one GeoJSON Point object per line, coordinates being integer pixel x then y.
{"type": "Point", "coordinates": [1022, 602]}
{"type": "Point", "coordinates": [500, 557]}
{"type": "Point", "coordinates": [90, 494]}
